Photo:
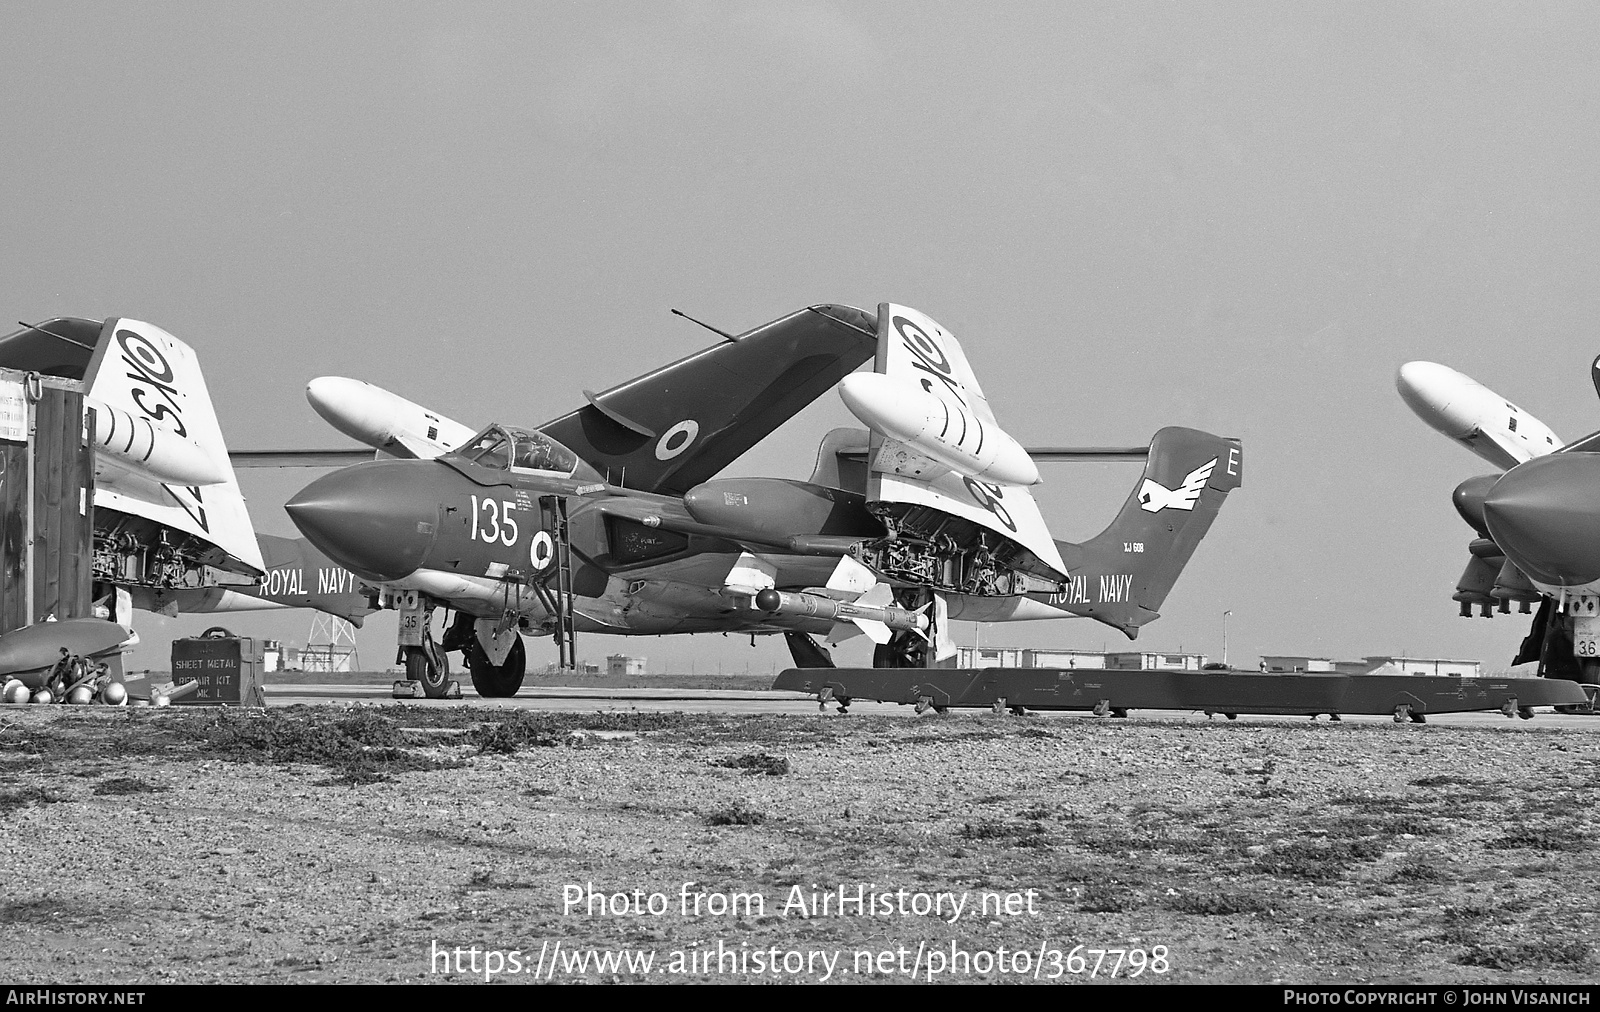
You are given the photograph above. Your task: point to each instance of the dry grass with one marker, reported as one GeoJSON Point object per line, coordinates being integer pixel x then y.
{"type": "Point", "coordinates": [327, 844]}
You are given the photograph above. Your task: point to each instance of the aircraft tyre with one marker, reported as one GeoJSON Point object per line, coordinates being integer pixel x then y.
{"type": "Point", "coordinates": [903, 651]}
{"type": "Point", "coordinates": [432, 672]}
{"type": "Point", "coordinates": [496, 681]}
{"type": "Point", "coordinates": [906, 649]}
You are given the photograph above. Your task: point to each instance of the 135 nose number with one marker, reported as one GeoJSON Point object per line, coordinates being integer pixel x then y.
{"type": "Point", "coordinates": [493, 522]}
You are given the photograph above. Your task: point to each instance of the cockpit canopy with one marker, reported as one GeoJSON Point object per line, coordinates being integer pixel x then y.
{"type": "Point", "coordinates": [502, 448]}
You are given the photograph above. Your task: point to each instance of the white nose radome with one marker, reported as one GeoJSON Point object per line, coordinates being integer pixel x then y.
{"type": "Point", "coordinates": [1447, 400]}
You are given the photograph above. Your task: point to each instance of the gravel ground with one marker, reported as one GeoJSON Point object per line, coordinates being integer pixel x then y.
{"type": "Point", "coordinates": [369, 844]}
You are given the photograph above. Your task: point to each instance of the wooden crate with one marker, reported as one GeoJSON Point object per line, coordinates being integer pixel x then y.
{"type": "Point", "coordinates": [46, 492]}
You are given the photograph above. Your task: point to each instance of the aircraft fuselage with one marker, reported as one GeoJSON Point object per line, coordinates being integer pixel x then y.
{"type": "Point", "coordinates": [478, 539]}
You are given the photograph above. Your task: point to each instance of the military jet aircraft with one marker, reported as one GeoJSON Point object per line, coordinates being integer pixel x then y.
{"type": "Point", "coordinates": [171, 532]}
{"type": "Point", "coordinates": [1538, 525]}
{"type": "Point", "coordinates": [296, 576]}
{"type": "Point", "coordinates": [611, 518]}
{"type": "Point", "coordinates": [1498, 431]}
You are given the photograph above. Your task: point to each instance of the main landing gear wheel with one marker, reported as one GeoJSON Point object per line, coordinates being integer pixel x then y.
{"type": "Point", "coordinates": [904, 650]}
{"type": "Point", "coordinates": [432, 671]}
{"type": "Point", "coordinates": [496, 681]}
{"type": "Point", "coordinates": [907, 649]}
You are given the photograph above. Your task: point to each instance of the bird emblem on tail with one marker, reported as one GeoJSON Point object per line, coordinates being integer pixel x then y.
{"type": "Point", "coordinates": [1155, 497]}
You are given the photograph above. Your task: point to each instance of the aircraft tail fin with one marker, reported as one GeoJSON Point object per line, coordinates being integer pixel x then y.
{"type": "Point", "coordinates": [156, 432]}
{"type": "Point", "coordinates": [1122, 575]}
{"type": "Point", "coordinates": [842, 460]}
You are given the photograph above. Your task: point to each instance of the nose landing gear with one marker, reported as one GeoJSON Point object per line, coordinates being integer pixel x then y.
{"type": "Point", "coordinates": [429, 668]}
{"type": "Point", "coordinates": [496, 681]}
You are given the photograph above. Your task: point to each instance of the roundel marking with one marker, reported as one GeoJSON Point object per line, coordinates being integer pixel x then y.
{"type": "Point", "coordinates": [149, 359]}
{"type": "Point", "coordinates": [542, 551]}
{"type": "Point", "coordinates": [677, 439]}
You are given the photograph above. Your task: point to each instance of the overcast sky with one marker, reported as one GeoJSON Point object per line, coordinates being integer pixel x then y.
{"type": "Point", "coordinates": [1239, 217]}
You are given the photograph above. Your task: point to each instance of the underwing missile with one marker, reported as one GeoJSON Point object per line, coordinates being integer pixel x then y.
{"type": "Point", "coordinates": [943, 431]}
{"type": "Point", "coordinates": [872, 619]}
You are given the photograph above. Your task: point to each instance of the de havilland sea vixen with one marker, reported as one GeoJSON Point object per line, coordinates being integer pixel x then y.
{"type": "Point", "coordinates": [171, 532]}
{"type": "Point", "coordinates": [611, 518]}
{"type": "Point", "coordinates": [158, 522]}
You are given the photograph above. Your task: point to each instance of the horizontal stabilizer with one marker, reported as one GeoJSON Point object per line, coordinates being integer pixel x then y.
{"type": "Point", "coordinates": [300, 458]}
{"type": "Point", "coordinates": [1088, 454]}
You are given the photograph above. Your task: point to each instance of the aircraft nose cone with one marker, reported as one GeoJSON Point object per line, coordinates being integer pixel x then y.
{"type": "Point", "coordinates": [375, 519]}
{"type": "Point", "coordinates": [1545, 515]}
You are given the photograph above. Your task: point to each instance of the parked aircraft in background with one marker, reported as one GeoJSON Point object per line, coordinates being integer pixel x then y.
{"type": "Point", "coordinates": [610, 518]}
{"type": "Point", "coordinates": [296, 576]}
{"type": "Point", "coordinates": [1538, 524]}
{"type": "Point", "coordinates": [171, 532]}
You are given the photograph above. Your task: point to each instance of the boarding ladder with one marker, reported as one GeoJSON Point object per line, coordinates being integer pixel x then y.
{"type": "Point", "coordinates": [559, 600]}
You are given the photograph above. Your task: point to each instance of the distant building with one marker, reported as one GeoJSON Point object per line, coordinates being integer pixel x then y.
{"type": "Point", "coordinates": [583, 668]}
{"type": "Point", "coordinates": [1422, 666]}
{"type": "Point", "coordinates": [990, 657]}
{"type": "Point", "coordinates": [1024, 657]}
{"type": "Point", "coordinates": [1295, 664]}
{"type": "Point", "coordinates": [1132, 660]}
{"type": "Point", "coordinates": [1051, 658]}
{"type": "Point", "coordinates": [622, 664]}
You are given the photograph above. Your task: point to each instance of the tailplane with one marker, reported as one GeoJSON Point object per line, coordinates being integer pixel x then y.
{"type": "Point", "coordinates": [1123, 574]}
